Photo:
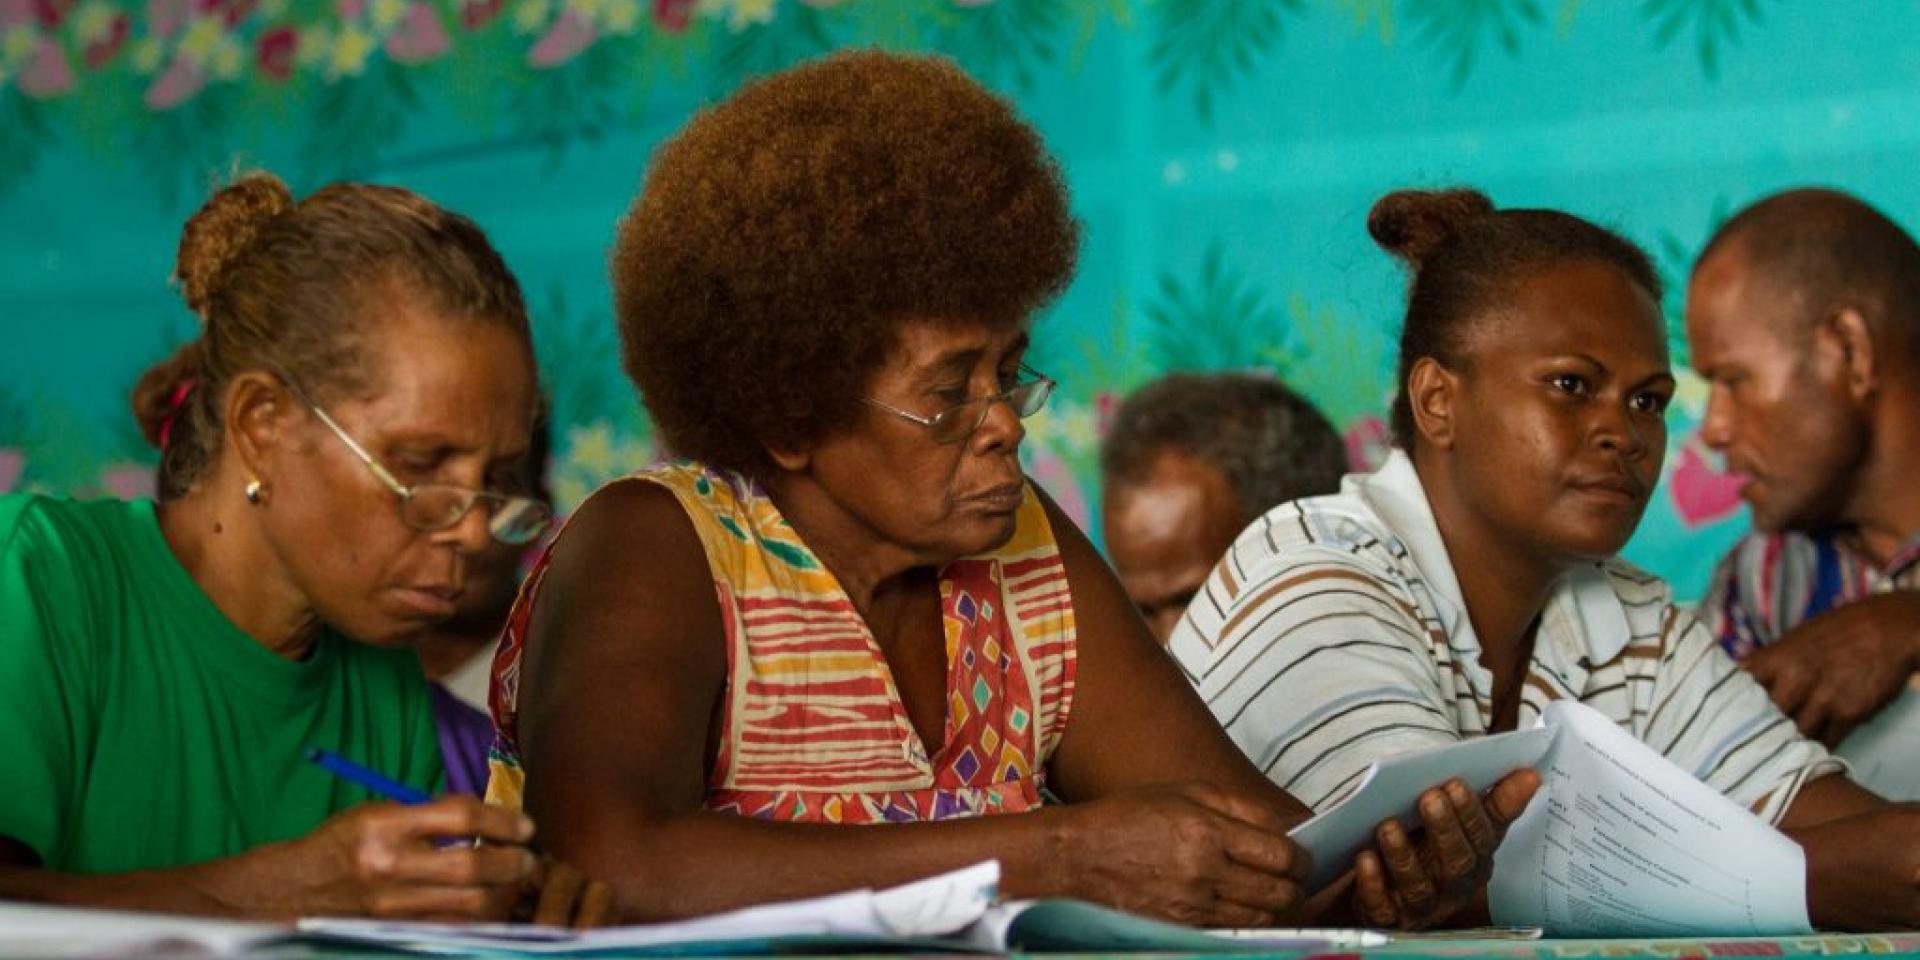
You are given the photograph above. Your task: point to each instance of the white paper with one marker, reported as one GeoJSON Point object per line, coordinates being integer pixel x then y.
{"type": "Point", "coordinates": [1620, 842]}
{"type": "Point", "coordinates": [1885, 751]}
{"type": "Point", "coordinates": [32, 930]}
{"type": "Point", "coordinates": [1390, 788]}
{"type": "Point", "coordinates": [935, 907]}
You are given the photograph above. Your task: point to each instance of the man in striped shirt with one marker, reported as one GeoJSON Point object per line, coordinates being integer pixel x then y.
{"type": "Point", "coordinates": [1804, 314]}
{"type": "Point", "coordinates": [1334, 633]}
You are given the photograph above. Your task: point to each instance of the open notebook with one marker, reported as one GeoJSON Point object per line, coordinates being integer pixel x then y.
{"type": "Point", "coordinates": [954, 912]}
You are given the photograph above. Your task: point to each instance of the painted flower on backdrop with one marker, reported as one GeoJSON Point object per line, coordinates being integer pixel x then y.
{"type": "Point", "coordinates": [1056, 476]}
{"type": "Point", "coordinates": [738, 14]}
{"type": "Point", "coordinates": [577, 25]}
{"type": "Point", "coordinates": [1369, 442]}
{"type": "Point", "coordinates": [596, 453]}
{"type": "Point", "coordinates": [128, 481]}
{"type": "Point", "coordinates": [1062, 451]}
{"type": "Point", "coordinates": [276, 52]}
{"type": "Point", "coordinates": [190, 45]}
{"type": "Point", "coordinates": [1067, 426]}
{"type": "Point", "coordinates": [673, 16]}
{"type": "Point", "coordinates": [475, 14]}
{"type": "Point", "coordinates": [102, 32]}
{"type": "Point", "coordinates": [1702, 492]}
{"type": "Point", "coordinates": [13, 463]}
{"type": "Point", "coordinates": [1106, 405]}
{"type": "Point", "coordinates": [46, 72]}
{"type": "Point", "coordinates": [419, 36]}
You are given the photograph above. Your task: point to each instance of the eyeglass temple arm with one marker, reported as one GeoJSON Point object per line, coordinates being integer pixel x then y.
{"type": "Point", "coordinates": [387, 478]}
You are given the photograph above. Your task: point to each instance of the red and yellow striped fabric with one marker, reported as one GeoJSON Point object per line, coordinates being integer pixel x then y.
{"type": "Point", "coordinates": [813, 727]}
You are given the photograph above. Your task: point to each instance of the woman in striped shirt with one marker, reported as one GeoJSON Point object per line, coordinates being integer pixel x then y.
{"type": "Point", "coordinates": [850, 607]}
{"type": "Point", "coordinates": [1472, 580]}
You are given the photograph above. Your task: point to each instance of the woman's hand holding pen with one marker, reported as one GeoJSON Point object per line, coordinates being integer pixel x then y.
{"type": "Point", "coordinates": [383, 860]}
{"type": "Point", "coordinates": [386, 860]}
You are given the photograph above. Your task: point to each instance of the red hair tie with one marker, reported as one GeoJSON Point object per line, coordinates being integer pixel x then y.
{"type": "Point", "coordinates": [174, 403]}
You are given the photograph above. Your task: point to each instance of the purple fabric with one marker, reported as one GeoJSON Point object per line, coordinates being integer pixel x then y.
{"type": "Point", "coordinates": [465, 736]}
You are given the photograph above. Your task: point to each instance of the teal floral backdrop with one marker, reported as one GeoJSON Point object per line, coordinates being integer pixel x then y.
{"type": "Point", "coordinates": [1222, 153]}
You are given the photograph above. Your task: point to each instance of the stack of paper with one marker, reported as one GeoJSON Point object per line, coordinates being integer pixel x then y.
{"type": "Point", "coordinates": [31, 930]}
{"type": "Point", "coordinates": [953, 912]}
{"type": "Point", "coordinates": [917, 914]}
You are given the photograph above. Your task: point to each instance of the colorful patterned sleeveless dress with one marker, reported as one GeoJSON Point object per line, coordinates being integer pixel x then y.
{"type": "Point", "coordinates": [813, 726]}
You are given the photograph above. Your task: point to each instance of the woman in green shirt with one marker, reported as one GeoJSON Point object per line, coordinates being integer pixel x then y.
{"type": "Point", "coordinates": [333, 450]}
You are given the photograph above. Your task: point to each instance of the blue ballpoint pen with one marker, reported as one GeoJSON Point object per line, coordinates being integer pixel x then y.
{"type": "Point", "coordinates": [352, 772]}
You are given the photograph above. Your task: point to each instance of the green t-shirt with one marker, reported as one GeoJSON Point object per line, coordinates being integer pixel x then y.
{"type": "Point", "coordinates": [139, 728]}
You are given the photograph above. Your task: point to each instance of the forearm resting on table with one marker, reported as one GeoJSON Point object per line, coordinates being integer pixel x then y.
{"type": "Point", "coordinates": [696, 863]}
{"type": "Point", "coordinates": [241, 886]}
{"type": "Point", "coordinates": [1825, 799]}
{"type": "Point", "coordinates": [1861, 856]}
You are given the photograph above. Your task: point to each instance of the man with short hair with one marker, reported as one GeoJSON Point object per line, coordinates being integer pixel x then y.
{"type": "Point", "coordinates": [1190, 461]}
{"type": "Point", "coordinates": [1803, 314]}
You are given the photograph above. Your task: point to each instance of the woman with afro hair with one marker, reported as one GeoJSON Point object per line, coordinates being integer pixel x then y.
{"type": "Point", "coordinates": [848, 606]}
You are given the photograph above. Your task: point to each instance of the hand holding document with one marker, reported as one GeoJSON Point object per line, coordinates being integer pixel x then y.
{"type": "Point", "coordinates": [1390, 788]}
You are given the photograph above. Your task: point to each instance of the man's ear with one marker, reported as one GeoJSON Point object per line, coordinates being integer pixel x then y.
{"type": "Point", "coordinates": [259, 412]}
{"type": "Point", "coordinates": [1432, 391]}
{"type": "Point", "coordinates": [1849, 335]}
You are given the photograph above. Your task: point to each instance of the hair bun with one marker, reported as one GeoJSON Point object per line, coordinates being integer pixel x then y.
{"type": "Point", "coordinates": [1412, 224]}
{"type": "Point", "coordinates": [224, 227]}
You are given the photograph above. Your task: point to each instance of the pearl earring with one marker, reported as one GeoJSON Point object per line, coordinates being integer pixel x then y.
{"type": "Point", "coordinates": [254, 492]}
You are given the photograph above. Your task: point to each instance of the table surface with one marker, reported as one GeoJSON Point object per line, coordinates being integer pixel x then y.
{"type": "Point", "coordinates": [1812, 945]}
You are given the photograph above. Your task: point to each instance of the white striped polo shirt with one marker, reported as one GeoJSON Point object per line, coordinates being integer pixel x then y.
{"type": "Point", "coordinates": [1334, 633]}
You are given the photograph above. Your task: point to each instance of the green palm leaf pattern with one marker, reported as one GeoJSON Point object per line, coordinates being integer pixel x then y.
{"type": "Point", "coordinates": [1342, 363]}
{"type": "Point", "coordinates": [1674, 257]}
{"type": "Point", "coordinates": [577, 101]}
{"type": "Point", "coordinates": [1222, 320]}
{"type": "Point", "coordinates": [1009, 40]}
{"type": "Point", "coordinates": [183, 150]}
{"type": "Point", "coordinates": [800, 32]}
{"type": "Point", "coordinates": [1114, 359]}
{"type": "Point", "coordinates": [22, 432]}
{"type": "Point", "coordinates": [1375, 13]}
{"type": "Point", "coordinates": [355, 118]}
{"type": "Point", "coordinates": [1715, 23]}
{"type": "Point", "coordinates": [1455, 29]}
{"type": "Point", "coordinates": [1211, 44]}
{"type": "Point", "coordinates": [27, 132]}
{"type": "Point", "coordinates": [580, 369]}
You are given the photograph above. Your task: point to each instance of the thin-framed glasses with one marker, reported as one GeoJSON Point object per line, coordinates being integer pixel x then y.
{"type": "Point", "coordinates": [428, 507]}
{"type": "Point", "coordinates": [958, 422]}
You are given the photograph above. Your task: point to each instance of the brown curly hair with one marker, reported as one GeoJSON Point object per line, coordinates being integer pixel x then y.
{"type": "Point", "coordinates": [286, 286]}
{"type": "Point", "coordinates": [786, 235]}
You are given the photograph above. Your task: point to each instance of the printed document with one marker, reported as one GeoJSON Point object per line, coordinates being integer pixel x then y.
{"type": "Point", "coordinates": [1620, 842]}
